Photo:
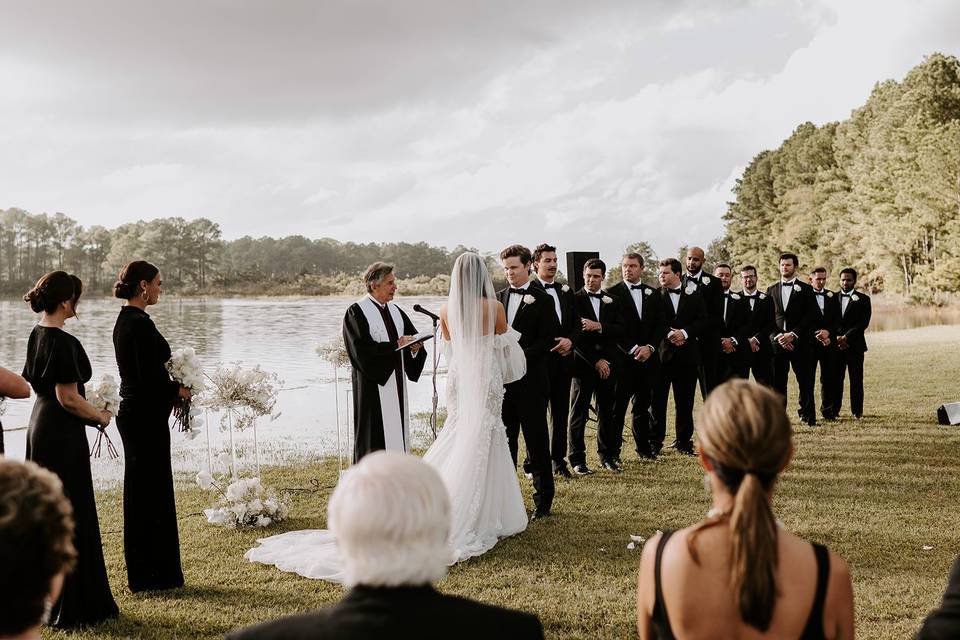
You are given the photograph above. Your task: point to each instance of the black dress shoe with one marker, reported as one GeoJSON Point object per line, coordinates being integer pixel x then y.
{"type": "Point", "coordinates": [646, 454]}
{"type": "Point", "coordinates": [539, 515]}
{"type": "Point", "coordinates": [611, 465]}
{"type": "Point", "coordinates": [581, 470]}
{"type": "Point", "coordinates": [686, 450]}
{"type": "Point", "coordinates": [563, 472]}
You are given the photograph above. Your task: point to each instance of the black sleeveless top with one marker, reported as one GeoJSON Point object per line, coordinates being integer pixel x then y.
{"type": "Point", "coordinates": [813, 630]}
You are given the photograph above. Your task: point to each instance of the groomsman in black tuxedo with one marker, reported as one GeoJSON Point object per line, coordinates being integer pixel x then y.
{"type": "Point", "coordinates": [757, 351]}
{"type": "Point", "coordinates": [684, 321]}
{"type": "Point", "coordinates": [855, 314]}
{"type": "Point", "coordinates": [823, 346]}
{"type": "Point", "coordinates": [530, 310]}
{"type": "Point", "coordinates": [794, 310]}
{"type": "Point", "coordinates": [596, 348]}
{"type": "Point", "coordinates": [643, 330]}
{"type": "Point", "coordinates": [560, 361]}
{"type": "Point", "coordinates": [734, 320]}
{"type": "Point", "coordinates": [712, 293]}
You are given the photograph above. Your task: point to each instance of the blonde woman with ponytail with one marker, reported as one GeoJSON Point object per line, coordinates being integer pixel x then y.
{"type": "Point", "coordinates": [738, 573]}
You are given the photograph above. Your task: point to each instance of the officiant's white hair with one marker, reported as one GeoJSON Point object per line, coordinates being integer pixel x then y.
{"type": "Point", "coordinates": [391, 516]}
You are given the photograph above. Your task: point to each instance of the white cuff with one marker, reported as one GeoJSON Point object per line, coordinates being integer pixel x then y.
{"type": "Point", "coordinates": [684, 332]}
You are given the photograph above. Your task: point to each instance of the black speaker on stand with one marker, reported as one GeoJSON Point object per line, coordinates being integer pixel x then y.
{"type": "Point", "coordinates": [949, 413]}
{"type": "Point", "coordinates": [575, 262]}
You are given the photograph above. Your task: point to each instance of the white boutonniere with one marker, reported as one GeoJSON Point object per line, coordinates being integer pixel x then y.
{"type": "Point", "coordinates": [647, 292]}
{"type": "Point", "coordinates": [796, 287]}
{"type": "Point", "coordinates": [854, 297]}
{"type": "Point", "coordinates": [529, 299]}
{"type": "Point", "coordinates": [762, 295]}
{"type": "Point", "coordinates": [735, 296]}
{"type": "Point", "coordinates": [691, 289]}
{"type": "Point", "coordinates": [829, 294]}
{"type": "Point", "coordinates": [606, 299]}
{"type": "Point", "coordinates": [706, 279]}
{"type": "Point", "coordinates": [565, 289]}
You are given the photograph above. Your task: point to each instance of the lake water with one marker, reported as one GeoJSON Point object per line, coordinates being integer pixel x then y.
{"type": "Point", "coordinates": [278, 334]}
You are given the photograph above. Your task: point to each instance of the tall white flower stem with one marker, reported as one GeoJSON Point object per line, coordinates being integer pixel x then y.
{"type": "Point", "coordinates": [233, 450]}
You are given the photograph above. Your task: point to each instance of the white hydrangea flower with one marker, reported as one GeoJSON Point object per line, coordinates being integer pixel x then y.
{"type": "Point", "coordinates": [205, 480]}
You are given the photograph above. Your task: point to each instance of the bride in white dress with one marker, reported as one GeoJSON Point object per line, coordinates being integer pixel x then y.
{"type": "Point", "coordinates": [471, 452]}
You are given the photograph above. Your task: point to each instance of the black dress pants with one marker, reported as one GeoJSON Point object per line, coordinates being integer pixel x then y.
{"type": "Point", "coordinates": [582, 390]}
{"type": "Point", "coordinates": [799, 360]}
{"type": "Point", "coordinates": [826, 359]}
{"type": "Point", "coordinates": [683, 379]}
{"type": "Point", "coordinates": [526, 411]}
{"type": "Point", "coordinates": [635, 383]}
{"type": "Point", "coordinates": [558, 404]}
{"type": "Point", "coordinates": [852, 361]}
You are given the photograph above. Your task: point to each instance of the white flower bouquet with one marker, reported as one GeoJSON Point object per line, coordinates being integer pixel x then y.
{"type": "Point", "coordinates": [245, 503]}
{"type": "Point", "coordinates": [184, 367]}
{"type": "Point", "coordinates": [334, 352]}
{"type": "Point", "coordinates": [106, 397]}
{"type": "Point", "coordinates": [246, 393]}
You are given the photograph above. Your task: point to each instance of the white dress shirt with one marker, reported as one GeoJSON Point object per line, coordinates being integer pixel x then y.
{"type": "Point", "coordinates": [844, 301]}
{"type": "Point", "coordinates": [637, 295]}
{"type": "Point", "coordinates": [556, 298]}
{"type": "Point", "coordinates": [513, 303]}
{"type": "Point", "coordinates": [595, 303]}
{"type": "Point", "coordinates": [821, 300]}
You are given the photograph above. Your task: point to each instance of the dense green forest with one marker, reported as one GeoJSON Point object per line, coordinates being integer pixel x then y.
{"type": "Point", "coordinates": [879, 191]}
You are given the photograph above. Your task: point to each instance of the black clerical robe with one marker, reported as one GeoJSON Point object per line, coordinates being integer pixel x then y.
{"type": "Point", "coordinates": [380, 372]}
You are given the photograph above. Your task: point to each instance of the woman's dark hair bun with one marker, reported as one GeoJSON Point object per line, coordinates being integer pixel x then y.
{"type": "Point", "coordinates": [130, 277]}
{"type": "Point", "coordinates": [52, 289]}
{"type": "Point", "coordinates": [123, 290]}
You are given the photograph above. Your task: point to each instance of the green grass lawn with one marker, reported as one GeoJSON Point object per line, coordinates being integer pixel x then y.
{"type": "Point", "coordinates": [876, 491]}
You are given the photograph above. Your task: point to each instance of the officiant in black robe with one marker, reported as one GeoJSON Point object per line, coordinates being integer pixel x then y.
{"type": "Point", "coordinates": [373, 328]}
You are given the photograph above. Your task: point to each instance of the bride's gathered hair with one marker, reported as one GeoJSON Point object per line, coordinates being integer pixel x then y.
{"type": "Point", "coordinates": [391, 517]}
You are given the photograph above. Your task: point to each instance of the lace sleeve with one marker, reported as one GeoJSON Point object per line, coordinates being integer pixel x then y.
{"type": "Point", "coordinates": [513, 364]}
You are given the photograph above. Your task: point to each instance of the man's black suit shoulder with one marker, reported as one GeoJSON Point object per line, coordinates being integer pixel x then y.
{"type": "Point", "coordinates": [944, 621]}
{"type": "Point", "coordinates": [420, 613]}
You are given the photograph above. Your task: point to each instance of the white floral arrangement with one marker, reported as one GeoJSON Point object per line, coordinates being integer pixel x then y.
{"type": "Point", "coordinates": [854, 297]}
{"type": "Point", "coordinates": [691, 289]}
{"type": "Point", "coordinates": [606, 299]}
{"type": "Point", "coordinates": [106, 397]}
{"type": "Point", "coordinates": [796, 287]}
{"type": "Point", "coordinates": [246, 393]}
{"type": "Point", "coordinates": [245, 503]}
{"type": "Point", "coordinates": [185, 368]}
{"type": "Point", "coordinates": [334, 352]}
{"type": "Point", "coordinates": [647, 291]}
{"type": "Point", "coordinates": [529, 299]}
{"type": "Point", "coordinates": [565, 288]}
{"type": "Point", "coordinates": [735, 296]}
{"type": "Point", "coordinates": [706, 279]}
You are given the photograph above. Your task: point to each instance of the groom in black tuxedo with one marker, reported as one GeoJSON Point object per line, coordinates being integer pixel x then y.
{"type": "Point", "coordinates": [561, 359]}
{"type": "Point", "coordinates": [643, 329]}
{"type": "Point", "coordinates": [684, 321]}
{"type": "Point", "coordinates": [530, 310]}
{"type": "Point", "coordinates": [855, 312]}
{"type": "Point", "coordinates": [596, 350]}
{"type": "Point", "coordinates": [757, 351]}
{"type": "Point", "coordinates": [794, 309]}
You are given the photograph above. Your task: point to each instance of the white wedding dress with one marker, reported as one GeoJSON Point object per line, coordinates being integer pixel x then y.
{"type": "Point", "coordinates": [471, 453]}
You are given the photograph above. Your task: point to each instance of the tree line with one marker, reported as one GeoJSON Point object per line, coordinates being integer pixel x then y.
{"type": "Point", "coordinates": [879, 191]}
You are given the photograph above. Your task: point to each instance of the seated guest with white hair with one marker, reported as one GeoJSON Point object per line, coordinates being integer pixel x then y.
{"type": "Point", "coordinates": [391, 518]}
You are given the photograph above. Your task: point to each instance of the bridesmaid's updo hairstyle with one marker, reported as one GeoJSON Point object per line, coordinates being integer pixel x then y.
{"type": "Point", "coordinates": [128, 283]}
{"type": "Point", "coordinates": [746, 437]}
{"type": "Point", "coordinates": [52, 289]}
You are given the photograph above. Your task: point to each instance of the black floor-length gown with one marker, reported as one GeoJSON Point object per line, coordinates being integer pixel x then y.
{"type": "Point", "coordinates": [151, 542]}
{"type": "Point", "coordinates": [57, 440]}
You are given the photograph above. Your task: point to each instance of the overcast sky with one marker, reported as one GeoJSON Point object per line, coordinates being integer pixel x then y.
{"type": "Point", "coordinates": [589, 124]}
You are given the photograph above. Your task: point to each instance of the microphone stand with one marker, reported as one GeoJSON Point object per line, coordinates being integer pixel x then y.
{"type": "Point", "coordinates": [436, 360]}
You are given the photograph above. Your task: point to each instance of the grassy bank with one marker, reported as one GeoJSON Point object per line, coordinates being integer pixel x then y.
{"type": "Point", "coordinates": [877, 491]}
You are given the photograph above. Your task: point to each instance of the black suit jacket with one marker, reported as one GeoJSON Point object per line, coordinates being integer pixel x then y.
{"type": "Point", "coordinates": [637, 331]}
{"type": "Point", "coordinates": [828, 319]}
{"type": "Point", "coordinates": [569, 322]}
{"type": "Point", "coordinates": [944, 622]}
{"type": "Point", "coordinates": [760, 323]}
{"type": "Point", "coordinates": [591, 346]}
{"type": "Point", "coordinates": [797, 318]}
{"type": "Point", "coordinates": [712, 292]}
{"type": "Point", "coordinates": [691, 316]}
{"type": "Point", "coordinates": [538, 327]}
{"type": "Point", "coordinates": [735, 323]}
{"type": "Point", "coordinates": [399, 612]}
{"type": "Point", "coordinates": [855, 321]}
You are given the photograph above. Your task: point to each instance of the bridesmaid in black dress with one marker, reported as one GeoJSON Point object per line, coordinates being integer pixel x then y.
{"type": "Point", "coordinates": [57, 368]}
{"type": "Point", "coordinates": [11, 386]}
{"type": "Point", "coordinates": [151, 543]}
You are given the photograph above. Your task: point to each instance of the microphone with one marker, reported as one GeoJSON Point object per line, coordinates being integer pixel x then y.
{"type": "Point", "coordinates": [432, 315]}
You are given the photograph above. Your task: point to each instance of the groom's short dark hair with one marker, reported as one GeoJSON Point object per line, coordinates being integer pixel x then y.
{"type": "Point", "coordinates": [517, 251]}
{"type": "Point", "coordinates": [542, 249]}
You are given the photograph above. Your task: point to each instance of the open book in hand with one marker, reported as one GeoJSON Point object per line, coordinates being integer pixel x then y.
{"type": "Point", "coordinates": [420, 338]}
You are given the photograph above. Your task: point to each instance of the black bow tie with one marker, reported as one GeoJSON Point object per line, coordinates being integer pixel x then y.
{"type": "Point", "coordinates": [845, 295]}
{"type": "Point", "coordinates": [636, 286]}
{"type": "Point", "coordinates": [674, 291]}
{"type": "Point", "coordinates": [726, 294]}
{"type": "Point", "coordinates": [820, 293]}
{"type": "Point", "coordinates": [551, 285]}
{"type": "Point", "coordinates": [786, 284]}
{"type": "Point", "coordinates": [519, 292]}
{"type": "Point", "coordinates": [595, 295]}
